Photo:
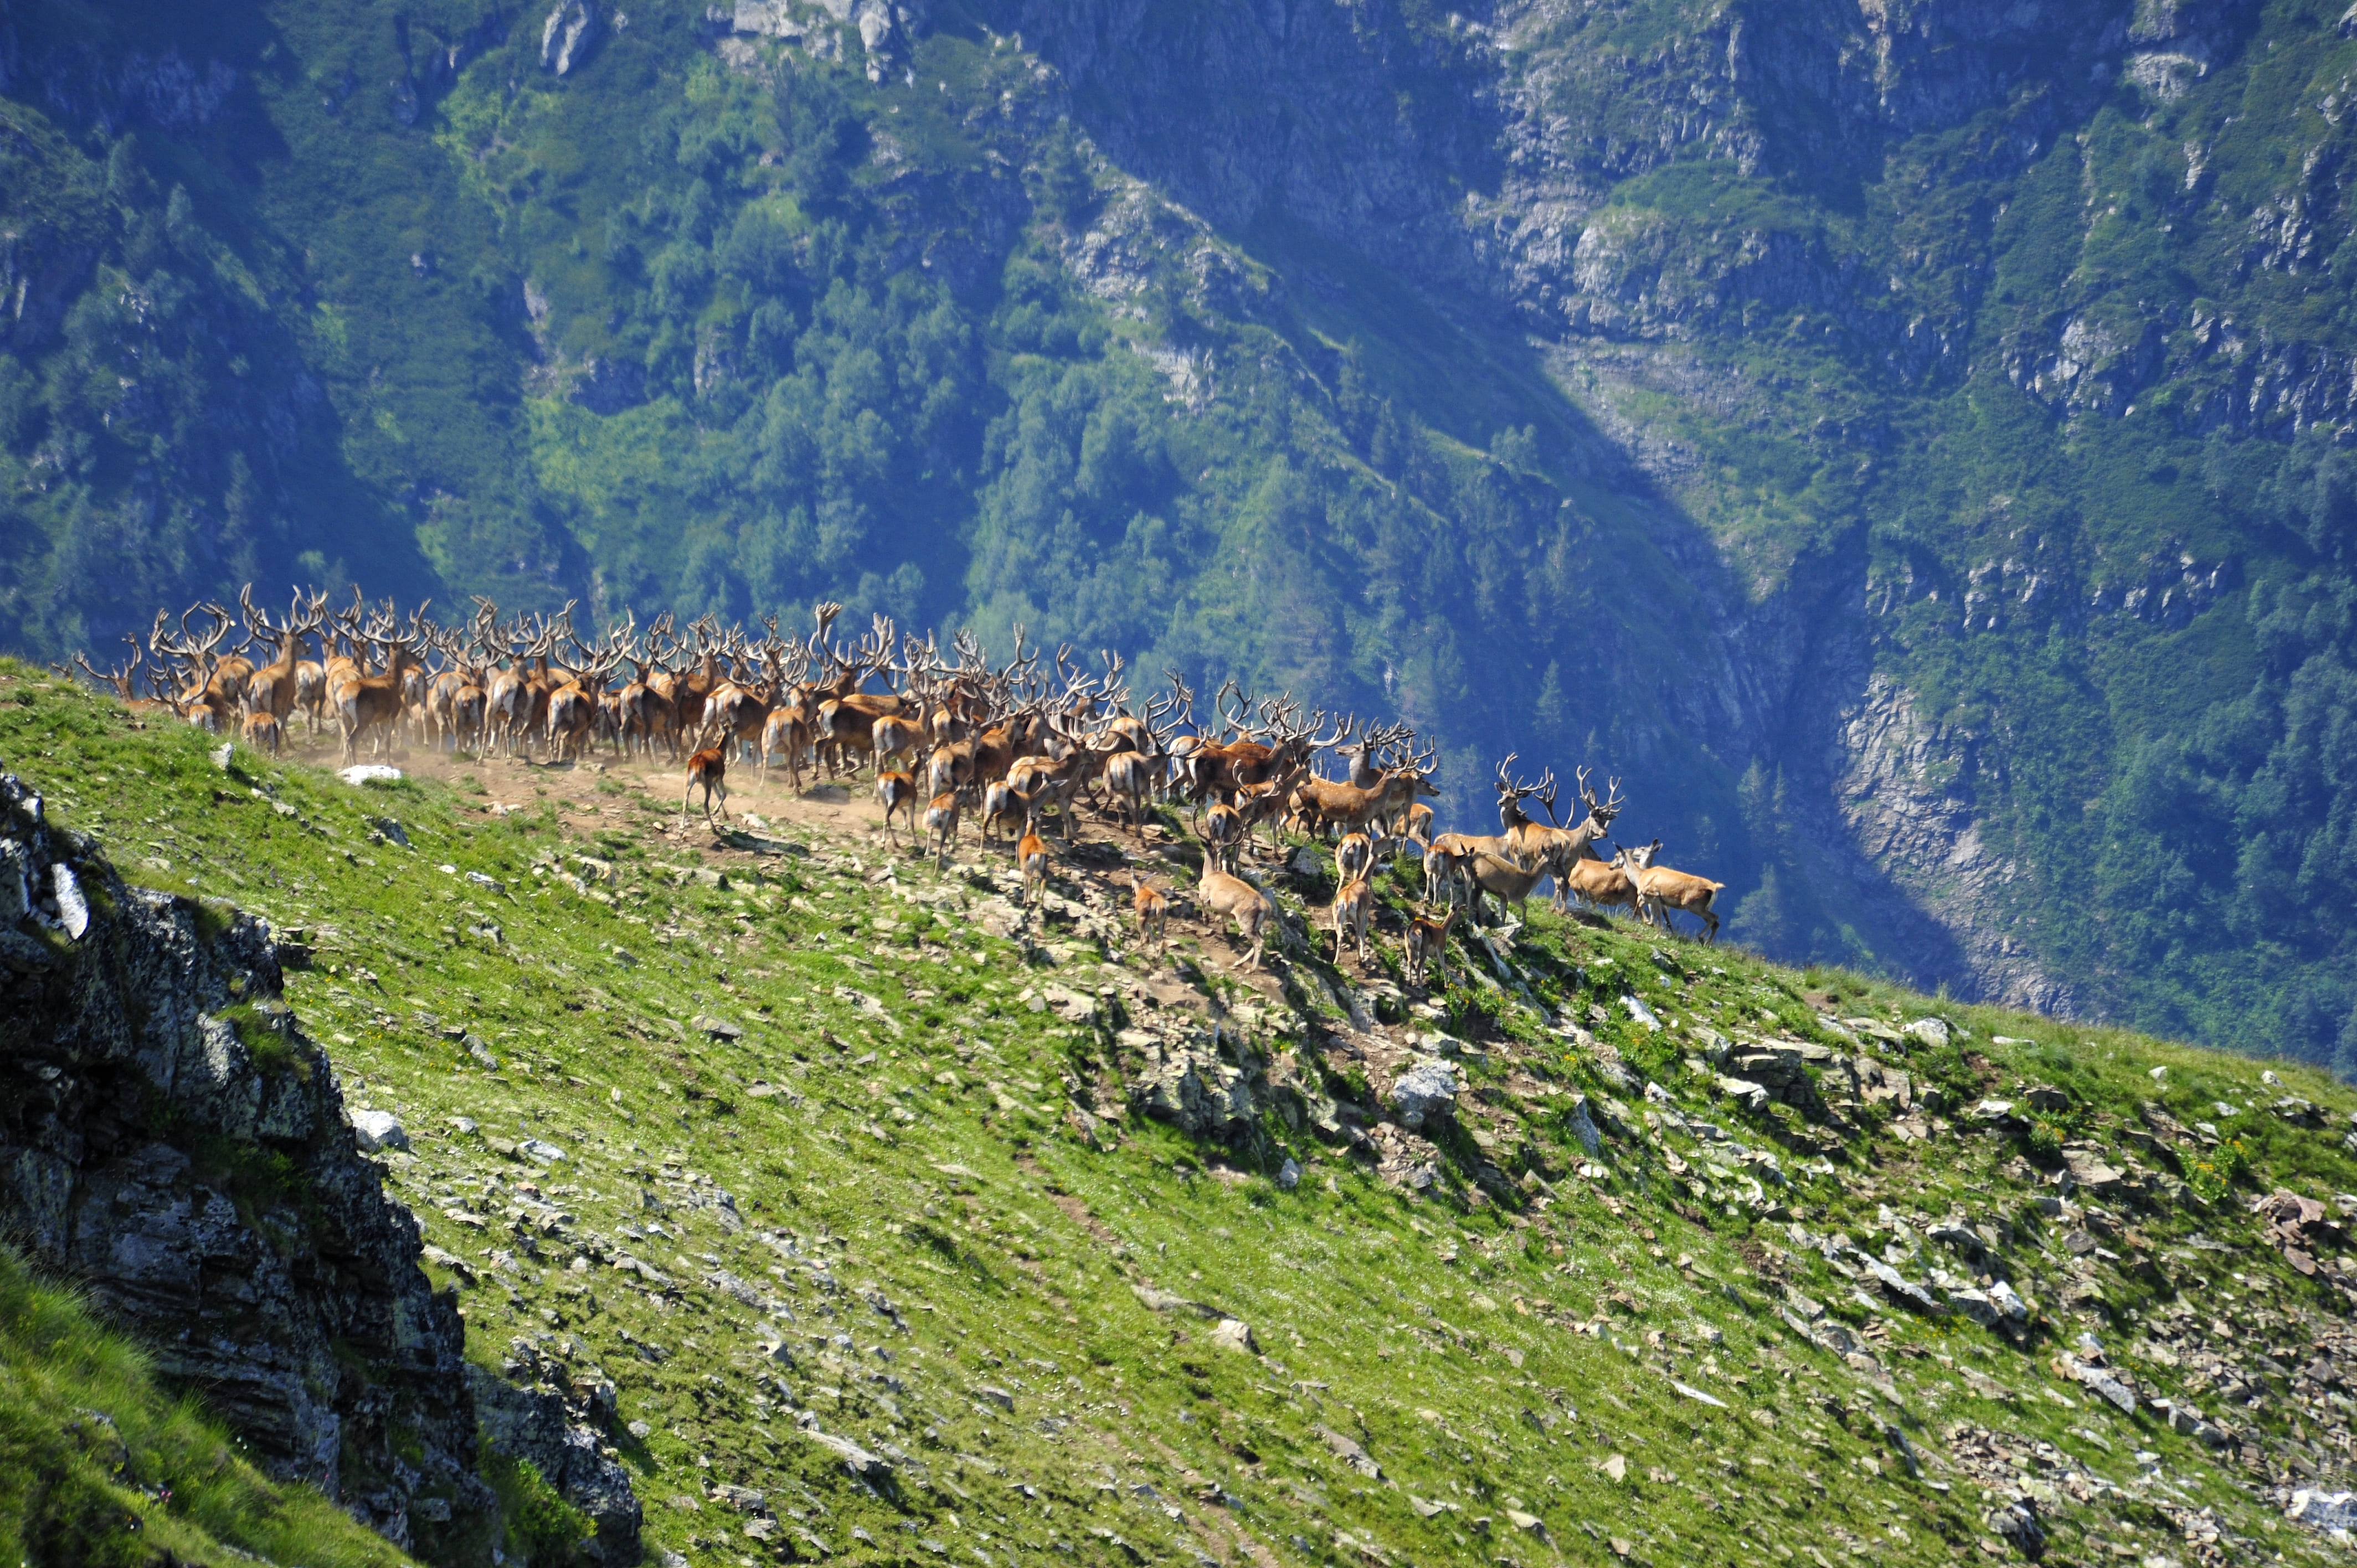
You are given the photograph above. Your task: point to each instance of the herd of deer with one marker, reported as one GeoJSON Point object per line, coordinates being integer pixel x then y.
{"type": "Point", "coordinates": [1019, 748]}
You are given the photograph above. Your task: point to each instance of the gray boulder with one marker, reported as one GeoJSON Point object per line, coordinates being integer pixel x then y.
{"type": "Point", "coordinates": [1424, 1096]}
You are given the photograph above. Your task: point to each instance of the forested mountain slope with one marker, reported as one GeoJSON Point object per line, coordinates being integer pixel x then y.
{"type": "Point", "coordinates": [1903, 440]}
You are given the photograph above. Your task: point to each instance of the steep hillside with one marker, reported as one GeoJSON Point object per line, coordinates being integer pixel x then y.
{"type": "Point", "coordinates": [1904, 442]}
{"type": "Point", "coordinates": [873, 1216]}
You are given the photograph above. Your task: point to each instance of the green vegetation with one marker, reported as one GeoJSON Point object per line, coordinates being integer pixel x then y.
{"type": "Point", "coordinates": [98, 1466]}
{"type": "Point", "coordinates": [787, 1137]}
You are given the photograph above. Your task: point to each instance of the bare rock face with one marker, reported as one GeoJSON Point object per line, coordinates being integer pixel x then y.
{"type": "Point", "coordinates": [170, 1139]}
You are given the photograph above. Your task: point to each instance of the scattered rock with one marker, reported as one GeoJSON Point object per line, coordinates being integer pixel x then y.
{"type": "Point", "coordinates": [1234, 1334]}
{"type": "Point", "coordinates": [719, 1029]}
{"type": "Point", "coordinates": [2325, 1511]}
{"type": "Point", "coordinates": [1425, 1094]}
{"type": "Point", "coordinates": [1288, 1175]}
{"type": "Point", "coordinates": [1351, 1454]}
{"type": "Point", "coordinates": [1932, 1032]}
{"type": "Point", "coordinates": [376, 1131]}
{"type": "Point", "coordinates": [366, 773]}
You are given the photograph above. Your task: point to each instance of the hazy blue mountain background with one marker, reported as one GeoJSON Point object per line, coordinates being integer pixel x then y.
{"type": "Point", "coordinates": [1909, 442]}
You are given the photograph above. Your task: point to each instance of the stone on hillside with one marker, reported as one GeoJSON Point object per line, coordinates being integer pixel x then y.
{"type": "Point", "coordinates": [1639, 1011]}
{"type": "Point", "coordinates": [1752, 1097]}
{"type": "Point", "coordinates": [1932, 1032]}
{"type": "Point", "coordinates": [2326, 1511]}
{"type": "Point", "coordinates": [2009, 1303]}
{"type": "Point", "coordinates": [719, 1029]}
{"type": "Point", "coordinates": [1235, 1334]}
{"type": "Point", "coordinates": [1305, 863]}
{"type": "Point", "coordinates": [1993, 1112]}
{"type": "Point", "coordinates": [219, 756]}
{"type": "Point", "coordinates": [1582, 1126]}
{"type": "Point", "coordinates": [1425, 1094]}
{"type": "Point", "coordinates": [1975, 1305]}
{"type": "Point", "coordinates": [376, 1131]}
{"type": "Point", "coordinates": [2046, 1096]}
{"type": "Point", "coordinates": [1351, 1454]}
{"type": "Point", "coordinates": [855, 1459]}
{"type": "Point", "coordinates": [542, 1152]}
{"type": "Point", "coordinates": [1288, 1175]}
{"type": "Point", "coordinates": [369, 773]}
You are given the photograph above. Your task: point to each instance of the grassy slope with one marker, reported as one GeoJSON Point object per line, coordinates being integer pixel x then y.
{"type": "Point", "coordinates": [921, 1248]}
{"type": "Point", "coordinates": [101, 1466]}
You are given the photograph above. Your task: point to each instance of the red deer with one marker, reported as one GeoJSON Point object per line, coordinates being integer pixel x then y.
{"type": "Point", "coordinates": [897, 793]}
{"type": "Point", "coordinates": [1428, 944]}
{"type": "Point", "coordinates": [709, 768]}
{"type": "Point", "coordinates": [941, 825]}
{"type": "Point", "coordinates": [1353, 905]}
{"type": "Point", "coordinates": [1153, 911]}
{"type": "Point", "coordinates": [1226, 897]}
{"type": "Point", "coordinates": [1666, 889]}
{"type": "Point", "coordinates": [1031, 855]}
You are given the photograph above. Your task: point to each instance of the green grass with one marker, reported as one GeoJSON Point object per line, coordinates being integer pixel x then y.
{"type": "Point", "coordinates": [101, 1465]}
{"type": "Point", "coordinates": [878, 1207]}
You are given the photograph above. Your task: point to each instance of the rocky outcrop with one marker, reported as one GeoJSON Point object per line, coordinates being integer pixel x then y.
{"type": "Point", "coordinates": [172, 1141]}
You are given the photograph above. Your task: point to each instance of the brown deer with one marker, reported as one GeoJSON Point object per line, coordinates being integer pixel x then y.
{"type": "Point", "coordinates": [1227, 897]}
{"type": "Point", "coordinates": [367, 703]}
{"type": "Point", "coordinates": [1153, 911]}
{"type": "Point", "coordinates": [942, 826]}
{"type": "Point", "coordinates": [1600, 885]}
{"type": "Point", "coordinates": [709, 768]}
{"type": "Point", "coordinates": [1503, 880]}
{"type": "Point", "coordinates": [1354, 905]}
{"type": "Point", "coordinates": [1031, 857]}
{"type": "Point", "coordinates": [1222, 834]}
{"type": "Point", "coordinates": [1666, 889]}
{"type": "Point", "coordinates": [1353, 857]}
{"type": "Point", "coordinates": [1004, 806]}
{"type": "Point", "coordinates": [271, 689]}
{"type": "Point", "coordinates": [1554, 847]}
{"type": "Point", "coordinates": [896, 791]}
{"type": "Point", "coordinates": [1428, 944]}
{"type": "Point", "coordinates": [262, 733]}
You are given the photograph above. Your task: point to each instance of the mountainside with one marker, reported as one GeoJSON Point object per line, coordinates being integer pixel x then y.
{"type": "Point", "coordinates": [867, 1215]}
{"type": "Point", "coordinates": [1904, 441]}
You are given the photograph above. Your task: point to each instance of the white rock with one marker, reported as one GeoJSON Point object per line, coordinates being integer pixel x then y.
{"type": "Point", "coordinates": [1931, 1031]}
{"type": "Point", "coordinates": [1234, 1334]}
{"type": "Point", "coordinates": [377, 1130]}
{"type": "Point", "coordinates": [219, 756]}
{"type": "Point", "coordinates": [2324, 1510]}
{"type": "Point", "coordinates": [1289, 1176]}
{"type": "Point", "coordinates": [73, 909]}
{"type": "Point", "coordinates": [533, 1149]}
{"type": "Point", "coordinates": [369, 773]}
{"type": "Point", "coordinates": [1639, 1011]}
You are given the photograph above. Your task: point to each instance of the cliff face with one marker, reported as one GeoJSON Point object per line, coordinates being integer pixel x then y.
{"type": "Point", "coordinates": [171, 1140]}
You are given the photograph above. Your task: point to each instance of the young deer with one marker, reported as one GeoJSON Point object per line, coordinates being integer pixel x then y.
{"type": "Point", "coordinates": [1666, 889]}
{"type": "Point", "coordinates": [1153, 911]}
{"type": "Point", "coordinates": [897, 792]}
{"type": "Point", "coordinates": [1352, 907]}
{"type": "Point", "coordinates": [1031, 855]}
{"type": "Point", "coordinates": [1601, 884]}
{"type": "Point", "coordinates": [261, 732]}
{"type": "Point", "coordinates": [1231, 898]}
{"type": "Point", "coordinates": [1427, 943]}
{"type": "Point", "coordinates": [709, 767]}
{"type": "Point", "coordinates": [941, 825]}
